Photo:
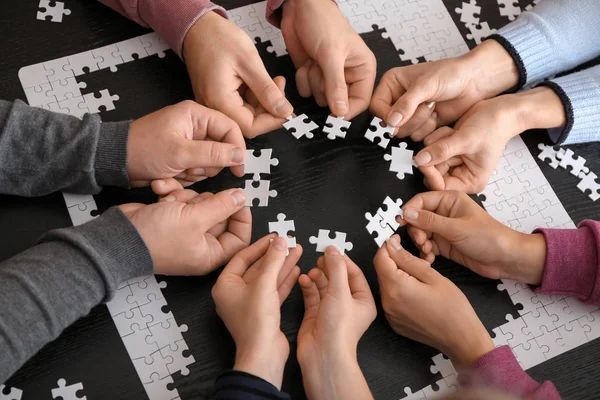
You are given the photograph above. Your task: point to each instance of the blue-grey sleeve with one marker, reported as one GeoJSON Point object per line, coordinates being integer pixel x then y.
{"type": "Point", "coordinates": [43, 152]}
{"type": "Point", "coordinates": [554, 36]}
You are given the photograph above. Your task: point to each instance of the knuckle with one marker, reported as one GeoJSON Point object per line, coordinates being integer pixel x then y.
{"type": "Point", "coordinates": [429, 218]}
{"type": "Point", "coordinates": [215, 152]}
{"type": "Point", "coordinates": [271, 92]}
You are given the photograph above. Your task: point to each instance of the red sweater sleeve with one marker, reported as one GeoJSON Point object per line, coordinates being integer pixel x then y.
{"type": "Point", "coordinates": [572, 262]}
{"type": "Point", "coordinates": [171, 19]}
{"type": "Point", "coordinates": [499, 370]}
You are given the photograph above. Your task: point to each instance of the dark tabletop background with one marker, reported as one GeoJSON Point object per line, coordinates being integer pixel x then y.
{"type": "Point", "coordinates": [322, 184]}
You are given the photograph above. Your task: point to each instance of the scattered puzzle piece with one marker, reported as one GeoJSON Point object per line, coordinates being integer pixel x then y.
{"type": "Point", "coordinates": [56, 11]}
{"type": "Point", "coordinates": [548, 153]}
{"type": "Point", "coordinates": [589, 182]}
{"type": "Point", "coordinates": [567, 160]}
{"type": "Point", "coordinates": [65, 392]}
{"type": "Point", "coordinates": [13, 394]}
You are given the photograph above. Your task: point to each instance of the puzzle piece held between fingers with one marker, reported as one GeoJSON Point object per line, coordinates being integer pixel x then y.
{"type": "Point", "coordinates": [336, 127]}
{"type": "Point", "coordinates": [381, 131]}
{"type": "Point", "coordinates": [259, 165]}
{"type": "Point", "coordinates": [323, 240]}
{"type": "Point", "coordinates": [260, 192]}
{"type": "Point", "coordinates": [300, 126]}
{"type": "Point", "coordinates": [283, 227]}
{"type": "Point", "coordinates": [376, 224]}
{"type": "Point", "coordinates": [401, 160]}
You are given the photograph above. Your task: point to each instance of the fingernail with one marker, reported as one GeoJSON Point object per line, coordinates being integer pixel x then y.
{"type": "Point", "coordinates": [394, 119]}
{"type": "Point", "coordinates": [394, 241]}
{"type": "Point", "coordinates": [239, 197]}
{"type": "Point", "coordinates": [411, 214]}
{"type": "Point", "coordinates": [332, 251]}
{"type": "Point", "coordinates": [160, 182]}
{"type": "Point", "coordinates": [282, 106]}
{"type": "Point", "coordinates": [279, 243]}
{"type": "Point", "coordinates": [431, 104]}
{"type": "Point", "coordinates": [237, 155]}
{"type": "Point", "coordinates": [342, 106]}
{"type": "Point", "coordinates": [170, 198]}
{"type": "Point", "coordinates": [198, 172]}
{"type": "Point", "coordinates": [423, 158]}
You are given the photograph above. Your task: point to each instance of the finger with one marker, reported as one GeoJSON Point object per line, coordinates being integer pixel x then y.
{"type": "Point", "coordinates": [336, 90]}
{"type": "Point", "coordinates": [271, 97]}
{"type": "Point", "coordinates": [386, 94]}
{"type": "Point", "coordinates": [253, 101]}
{"type": "Point", "coordinates": [317, 85]}
{"type": "Point", "coordinates": [219, 207]}
{"type": "Point", "coordinates": [208, 153]}
{"type": "Point", "coordinates": [251, 122]}
{"type": "Point", "coordinates": [421, 115]}
{"type": "Point", "coordinates": [288, 283]}
{"type": "Point", "coordinates": [385, 267]}
{"type": "Point", "coordinates": [182, 196]}
{"type": "Point", "coordinates": [405, 107]}
{"type": "Point", "coordinates": [336, 271]}
{"type": "Point", "coordinates": [131, 207]}
{"type": "Point", "coordinates": [238, 233]}
{"type": "Point", "coordinates": [462, 179]}
{"type": "Point", "coordinates": [427, 128]}
{"type": "Point", "coordinates": [303, 80]}
{"type": "Point", "coordinates": [413, 266]}
{"type": "Point", "coordinates": [273, 261]}
{"type": "Point", "coordinates": [418, 235]}
{"type": "Point", "coordinates": [320, 279]}
{"type": "Point", "coordinates": [359, 287]}
{"type": "Point", "coordinates": [311, 296]}
{"type": "Point", "coordinates": [438, 134]}
{"type": "Point", "coordinates": [290, 262]}
{"type": "Point", "coordinates": [361, 80]}
{"type": "Point", "coordinates": [245, 258]}
{"type": "Point", "coordinates": [443, 150]}
{"type": "Point", "coordinates": [163, 187]}
{"type": "Point", "coordinates": [433, 178]}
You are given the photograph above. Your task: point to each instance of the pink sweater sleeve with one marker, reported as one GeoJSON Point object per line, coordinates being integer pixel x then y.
{"type": "Point", "coordinates": [171, 19]}
{"type": "Point", "coordinates": [499, 370]}
{"type": "Point", "coordinates": [572, 262]}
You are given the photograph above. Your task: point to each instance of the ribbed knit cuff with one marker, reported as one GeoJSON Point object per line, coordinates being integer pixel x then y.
{"type": "Point", "coordinates": [241, 385]}
{"type": "Point", "coordinates": [110, 164]}
{"type": "Point", "coordinates": [580, 94]}
{"type": "Point", "coordinates": [528, 45]}
{"type": "Point", "coordinates": [571, 267]}
{"type": "Point", "coordinates": [122, 252]}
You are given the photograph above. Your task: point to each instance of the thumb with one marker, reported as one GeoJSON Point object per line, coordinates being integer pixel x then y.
{"type": "Point", "coordinates": [405, 261]}
{"type": "Point", "coordinates": [218, 208]}
{"type": "Point", "coordinates": [336, 89]}
{"type": "Point", "coordinates": [130, 208]}
{"type": "Point", "coordinates": [429, 221]}
{"type": "Point", "coordinates": [266, 91]}
{"type": "Point", "coordinates": [442, 150]}
{"type": "Point", "coordinates": [208, 153]}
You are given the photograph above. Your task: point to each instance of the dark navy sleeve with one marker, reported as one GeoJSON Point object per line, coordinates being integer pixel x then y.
{"type": "Point", "coordinates": [238, 385]}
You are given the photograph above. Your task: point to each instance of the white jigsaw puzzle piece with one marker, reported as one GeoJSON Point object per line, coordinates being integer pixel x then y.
{"type": "Point", "coordinates": [260, 192]}
{"type": "Point", "coordinates": [299, 126]}
{"type": "Point", "coordinates": [323, 240]}
{"type": "Point", "coordinates": [381, 131]}
{"type": "Point", "coordinates": [336, 127]}
{"type": "Point", "coordinates": [401, 160]}
{"type": "Point", "coordinates": [259, 165]}
{"type": "Point", "coordinates": [283, 227]}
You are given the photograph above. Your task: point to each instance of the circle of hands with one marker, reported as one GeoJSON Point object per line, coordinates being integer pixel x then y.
{"type": "Point", "coordinates": [188, 233]}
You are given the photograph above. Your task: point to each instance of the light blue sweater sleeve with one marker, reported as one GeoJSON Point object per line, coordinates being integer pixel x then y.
{"type": "Point", "coordinates": [555, 36]}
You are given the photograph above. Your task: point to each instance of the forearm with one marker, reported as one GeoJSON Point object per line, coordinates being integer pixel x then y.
{"type": "Point", "coordinates": [43, 152]}
{"type": "Point", "coordinates": [555, 36]}
{"type": "Point", "coordinates": [48, 287]}
{"type": "Point", "coordinates": [171, 19]}
{"type": "Point", "coordinates": [499, 369]}
{"type": "Point", "coordinates": [331, 377]}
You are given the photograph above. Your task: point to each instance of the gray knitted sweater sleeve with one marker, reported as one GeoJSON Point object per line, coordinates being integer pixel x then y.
{"type": "Point", "coordinates": [49, 286]}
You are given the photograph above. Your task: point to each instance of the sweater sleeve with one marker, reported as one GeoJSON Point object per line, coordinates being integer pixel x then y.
{"type": "Point", "coordinates": [238, 385]}
{"type": "Point", "coordinates": [499, 370]}
{"type": "Point", "coordinates": [48, 287]}
{"type": "Point", "coordinates": [572, 262]}
{"type": "Point", "coordinates": [580, 95]}
{"type": "Point", "coordinates": [555, 36]}
{"type": "Point", "coordinates": [171, 19]}
{"type": "Point", "coordinates": [43, 152]}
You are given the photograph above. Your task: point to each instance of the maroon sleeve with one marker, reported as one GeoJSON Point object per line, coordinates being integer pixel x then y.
{"type": "Point", "coordinates": [272, 16]}
{"type": "Point", "coordinates": [171, 19]}
{"type": "Point", "coordinates": [500, 370]}
{"type": "Point", "coordinates": [572, 263]}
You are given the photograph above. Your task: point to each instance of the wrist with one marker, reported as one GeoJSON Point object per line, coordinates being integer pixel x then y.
{"type": "Point", "coordinates": [197, 31]}
{"type": "Point", "coordinates": [541, 108]}
{"type": "Point", "coordinates": [494, 69]}
{"type": "Point", "coordinates": [469, 351]}
{"type": "Point", "coordinates": [527, 258]}
{"type": "Point", "coordinates": [265, 362]}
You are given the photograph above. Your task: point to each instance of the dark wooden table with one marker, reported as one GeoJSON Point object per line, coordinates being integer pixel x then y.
{"type": "Point", "coordinates": [321, 184]}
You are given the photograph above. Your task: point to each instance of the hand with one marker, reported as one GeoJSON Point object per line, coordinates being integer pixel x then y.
{"type": "Point", "coordinates": [185, 141]}
{"type": "Point", "coordinates": [464, 158]}
{"type": "Point", "coordinates": [422, 305]}
{"type": "Point", "coordinates": [334, 64]}
{"type": "Point", "coordinates": [338, 309]}
{"type": "Point", "coordinates": [419, 98]}
{"type": "Point", "coordinates": [452, 225]}
{"type": "Point", "coordinates": [191, 233]}
{"type": "Point", "coordinates": [248, 296]}
{"type": "Point", "coordinates": [228, 75]}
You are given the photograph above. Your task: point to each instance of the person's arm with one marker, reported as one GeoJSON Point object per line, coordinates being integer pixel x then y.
{"type": "Point", "coordinates": [499, 369]}
{"type": "Point", "coordinates": [171, 19]}
{"type": "Point", "coordinates": [555, 36]}
{"type": "Point", "coordinates": [572, 266]}
{"type": "Point", "coordinates": [239, 385]}
{"type": "Point", "coordinates": [48, 287]}
{"type": "Point", "coordinates": [43, 152]}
